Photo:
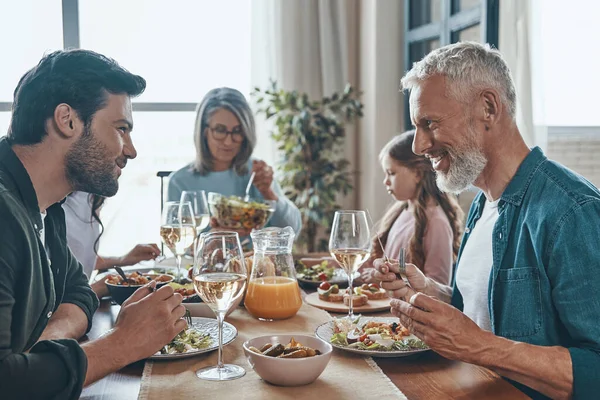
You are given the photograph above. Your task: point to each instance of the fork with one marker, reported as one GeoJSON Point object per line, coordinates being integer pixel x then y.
{"type": "Point", "coordinates": [402, 267]}
{"type": "Point", "coordinates": [188, 318]}
{"type": "Point", "coordinates": [247, 196]}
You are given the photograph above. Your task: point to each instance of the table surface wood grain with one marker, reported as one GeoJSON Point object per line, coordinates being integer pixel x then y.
{"type": "Point", "coordinates": [427, 376]}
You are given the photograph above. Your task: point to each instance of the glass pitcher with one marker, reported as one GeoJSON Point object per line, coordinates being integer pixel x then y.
{"type": "Point", "coordinates": [273, 291]}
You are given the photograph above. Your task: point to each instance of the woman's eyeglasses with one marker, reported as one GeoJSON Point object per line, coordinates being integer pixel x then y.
{"type": "Point", "coordinates": [220, 133]}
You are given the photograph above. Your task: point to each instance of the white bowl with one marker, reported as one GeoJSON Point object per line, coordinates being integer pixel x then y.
{"type": "Point", "coordinates": [288, 371]}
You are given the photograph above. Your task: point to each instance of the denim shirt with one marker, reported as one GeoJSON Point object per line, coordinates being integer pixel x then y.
{"type": "Point", "coordinates": [544, 287]}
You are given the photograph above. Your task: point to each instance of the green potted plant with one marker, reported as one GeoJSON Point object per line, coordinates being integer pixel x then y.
{"type": "Point", "coordinates": [310, 135]}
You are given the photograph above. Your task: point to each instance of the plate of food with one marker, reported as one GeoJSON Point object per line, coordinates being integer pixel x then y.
{"type": "Point", "coordinates": [371, 336]}
{"type": "Point", "coordinates": [314, 272]}
{"type": "Point", "coordinates": [365, 298]}
{"type": "Point", "coordinates": [201, 337]}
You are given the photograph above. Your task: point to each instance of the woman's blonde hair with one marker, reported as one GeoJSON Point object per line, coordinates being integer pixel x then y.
{"type": "Point", "coordinates": [399, 149]}
{"type": "Point", "coordinates": [235, 102]}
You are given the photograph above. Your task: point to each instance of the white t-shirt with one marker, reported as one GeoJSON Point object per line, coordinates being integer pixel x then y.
{"type": "Point", "coordinates": [475, 265]}
{"type": "Point", "coordinates": [82, 229]}
{"type": "Point", "coordinates": [43, 229]}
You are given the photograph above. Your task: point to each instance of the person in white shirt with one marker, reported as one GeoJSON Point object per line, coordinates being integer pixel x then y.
{"type": "Point", "coordinates": [84, 229]}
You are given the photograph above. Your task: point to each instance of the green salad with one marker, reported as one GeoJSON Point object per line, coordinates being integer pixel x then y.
{"type": "Point", "coordinates": [318, 273]}
{"type": "Point", "coordinates": [187, 341]}
{"type": "Point", "coordinates": [374, 335]}
{"type": "Point", "coordinates": [233, 212]}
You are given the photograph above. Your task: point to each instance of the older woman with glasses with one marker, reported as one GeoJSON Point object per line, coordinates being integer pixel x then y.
{"type": "Point", "coordinates": [225, 137]}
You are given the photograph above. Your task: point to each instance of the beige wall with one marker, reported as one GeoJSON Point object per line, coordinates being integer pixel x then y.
{"type": "Point", "coordinates": [578, 149]}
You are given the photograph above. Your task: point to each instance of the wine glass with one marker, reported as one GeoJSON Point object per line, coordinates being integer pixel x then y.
{"type": "Point", "coordinates": [219, 279]}
{"type": "Point", "coordinates": [350, 245]}
{"type": "Point", "coordinates": [178, 229]}
{"type": "Point", "coordinates": [199, 206]}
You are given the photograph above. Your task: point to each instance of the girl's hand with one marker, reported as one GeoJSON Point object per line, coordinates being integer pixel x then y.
{"type": "Point", "coordinates": [367, 275]}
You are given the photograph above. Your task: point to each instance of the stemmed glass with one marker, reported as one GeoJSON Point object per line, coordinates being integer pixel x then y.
{"type": "Point", "coordinates": [219, 279]}
{"type": "Point", "coordinates": [199, 206]}
{"type": "Point", "coordinates": [350, 245]}
{"type": "Point", "coordinates": [178, 229]}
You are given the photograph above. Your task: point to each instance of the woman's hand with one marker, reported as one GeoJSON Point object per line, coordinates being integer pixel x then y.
{"type": "Point", "coordinates": [263, 179]}
{"type": "Point", "coordinates": [140, 252]}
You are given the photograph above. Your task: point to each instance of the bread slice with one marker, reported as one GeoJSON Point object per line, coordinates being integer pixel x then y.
{"type": "Point", "coordinates": [381, 294]}
{"type": "Point", "coordinates": [357, 300]}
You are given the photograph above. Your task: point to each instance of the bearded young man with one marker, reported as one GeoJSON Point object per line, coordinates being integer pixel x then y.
{"type": "Point", "coordinates": [70, 130]}
{"type": "Point", "coordinates": [525, 300]}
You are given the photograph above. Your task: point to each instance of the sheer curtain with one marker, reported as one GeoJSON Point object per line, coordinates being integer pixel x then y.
{"type": "Point", "coordinates": [316, 46]}
{"type": "Point", "coordinates": [309, 46]}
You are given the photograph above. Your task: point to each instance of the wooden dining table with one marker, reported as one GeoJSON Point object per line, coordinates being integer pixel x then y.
{"type": "Point", "coordinates": [426, 376]}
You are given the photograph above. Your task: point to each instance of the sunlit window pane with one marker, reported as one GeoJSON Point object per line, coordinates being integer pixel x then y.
{"type": "Point", "coordinates": [183, 48]}
{"type": "Point", "coordinates": [4, 121]}
{"type": "Point", "coordinates": [28, 29]}
{"type": "Point", "coordinates": [164, 141]}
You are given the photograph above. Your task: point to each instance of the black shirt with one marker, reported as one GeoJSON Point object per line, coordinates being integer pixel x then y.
{"type": "Point", "coordinates": [32, 286]}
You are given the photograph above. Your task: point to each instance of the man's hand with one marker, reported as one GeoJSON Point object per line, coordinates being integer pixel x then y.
{"type": "Point", "coordinates": [148, 320]}
{"type": "Point", "coordinates": [157, 314]}
{"type": "Point", "coordinates": [418, 282]}
{"type": "Point", "coordinates": [263, 179]}
{"type": "Point", "coordinates": [442, 327]}
{"type": "Point", "coordinates": [396, 287]}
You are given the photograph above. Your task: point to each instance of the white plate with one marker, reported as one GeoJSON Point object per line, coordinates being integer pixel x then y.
{"type": "Point", "coordinates": [340, 278]}
{"type": "Point", "coordinates": [325, 331]}
{"type": "Point", "coordinates": [204, 325]}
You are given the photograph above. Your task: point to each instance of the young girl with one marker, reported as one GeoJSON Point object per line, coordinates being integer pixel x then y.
{"type": "Point", "coordinates": [424, 221]}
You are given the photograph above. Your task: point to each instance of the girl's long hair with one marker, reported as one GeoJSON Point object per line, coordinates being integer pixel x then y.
{"type": "Point", "coordinates": [399, 149]}
{"type": "Point", "coordinates": [97, 202]}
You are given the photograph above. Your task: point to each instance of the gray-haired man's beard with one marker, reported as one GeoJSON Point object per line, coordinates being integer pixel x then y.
{"type": "Point", "coordinates": [90, 169]}
{"type": "Point", "coordinates": [465, 167]}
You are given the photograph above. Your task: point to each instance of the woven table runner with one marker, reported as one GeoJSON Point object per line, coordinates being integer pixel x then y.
{"type": "Point", "coordinates": [347, 376]}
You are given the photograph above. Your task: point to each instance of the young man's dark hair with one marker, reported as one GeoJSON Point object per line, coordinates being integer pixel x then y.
{"type": "Point", "coordinates": [79, 78]}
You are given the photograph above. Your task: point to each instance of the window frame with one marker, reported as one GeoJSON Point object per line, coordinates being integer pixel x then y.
{"type": "Point", "coordinates": [486, 14]}
{"type": "Point", "coordinates": [71, 40]}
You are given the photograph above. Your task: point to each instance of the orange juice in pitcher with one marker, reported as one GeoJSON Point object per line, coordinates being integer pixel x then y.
{"type": "Point", "coordinates": [273, 291]}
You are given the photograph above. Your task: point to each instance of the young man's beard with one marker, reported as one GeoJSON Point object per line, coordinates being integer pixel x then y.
{"type": "Point", "coordinates": [89, 168]}
{"type": "Point", "coordinates": [466, 164]}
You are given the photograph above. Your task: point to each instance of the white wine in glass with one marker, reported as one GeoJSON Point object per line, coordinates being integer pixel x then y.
{"type": "Point", "coordinates": [199, 206]}
{"type": "Point", "coordinates": [220, 278]}
{"type": "Point", "coordinates": [350, 245]}
{"type": "Point", "coordinates": [178, 229]}
{"type": "Point", "coordinates": [178, 238]}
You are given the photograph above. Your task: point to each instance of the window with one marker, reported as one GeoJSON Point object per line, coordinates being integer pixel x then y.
{"type": "Point", "coordinates": [434, 23]}
{"type": "Point", "coordinates": [28, 28]}
{"type": "Point", "coordinates": [182, 49]}
{"type": "Point", "coordinates": [567, 45]}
